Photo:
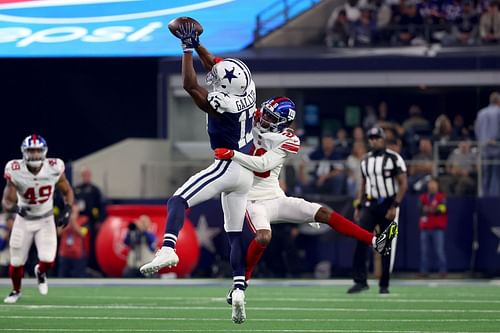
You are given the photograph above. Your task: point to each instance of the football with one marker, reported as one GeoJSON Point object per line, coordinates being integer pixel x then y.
{"type": "Point", "coordinates": [175, 24]}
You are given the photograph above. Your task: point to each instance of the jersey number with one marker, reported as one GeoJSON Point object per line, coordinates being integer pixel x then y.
{"type": "Point", "coordinates": [44, 193]}
{"type": "Point", "coordinates": [265, 174]}
{"type": "Point", "coordinates": [245, 134]}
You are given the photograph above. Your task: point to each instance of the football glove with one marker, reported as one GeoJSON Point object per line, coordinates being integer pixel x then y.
{"type": "Point", "coordinates": [189, 37]}
{"type": "Point", "coordinates": [21, 211]}
{"type": "Point", "coordinates": [63, 218]}
{"type": "Point", "coordinates": [223, 153]}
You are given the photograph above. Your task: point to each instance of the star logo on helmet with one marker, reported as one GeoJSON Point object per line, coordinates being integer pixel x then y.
{"type": "Point", "coordinates": [229, 75]}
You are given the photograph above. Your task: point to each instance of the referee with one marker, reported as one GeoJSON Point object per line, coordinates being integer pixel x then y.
{"type": "Point", "coordinates": [382, 188]}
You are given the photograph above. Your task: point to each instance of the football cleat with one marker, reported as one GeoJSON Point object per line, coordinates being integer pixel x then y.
{"type": "Point", "coordinates": [164, 257]}
{"type": "Point", "coordinates": [238, 306]}
{"type": "Point", "coordinates": [229, 295]}
{"type": "Point", "coordinates": [384, 239]}
{"type": "Point", "coordinates": [13, 297]}
{"type": "Point", "coordinates": [41, 278]}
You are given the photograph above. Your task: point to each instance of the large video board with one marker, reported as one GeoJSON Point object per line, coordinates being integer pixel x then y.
{"type": "Point", "coordinates": [123, 28]}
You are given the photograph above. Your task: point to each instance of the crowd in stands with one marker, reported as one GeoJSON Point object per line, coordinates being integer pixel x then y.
{"type": "Point", "coordinates": [443, 148]}
{"type": "Point", "coordinates": [366, 23]}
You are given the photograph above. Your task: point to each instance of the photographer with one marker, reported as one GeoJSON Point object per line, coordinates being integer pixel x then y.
{"type": "Point", "coordinates": [142, 245]}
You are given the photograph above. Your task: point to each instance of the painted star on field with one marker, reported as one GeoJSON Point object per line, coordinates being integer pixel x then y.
{"type": "Point", "coordinates": [206, 234]}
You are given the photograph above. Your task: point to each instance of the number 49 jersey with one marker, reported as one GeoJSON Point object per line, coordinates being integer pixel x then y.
{"type": "Point", "coordinates": [266, 184]}
{"type": "Point", "coordinates": [35, 191]}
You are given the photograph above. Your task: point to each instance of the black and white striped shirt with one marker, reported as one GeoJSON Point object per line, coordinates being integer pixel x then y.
{"type": "Point", "coordinates": [380, 170]}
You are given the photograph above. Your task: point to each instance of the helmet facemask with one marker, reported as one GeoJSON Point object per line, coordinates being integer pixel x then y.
{"type": "Point", "coordinates": [34, 157]}
{"type": "Point", "coordinates": [270, 121]}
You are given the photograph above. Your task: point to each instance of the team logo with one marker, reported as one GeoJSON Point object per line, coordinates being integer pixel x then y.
{"type": "Point", "coordinates": [73, 11]}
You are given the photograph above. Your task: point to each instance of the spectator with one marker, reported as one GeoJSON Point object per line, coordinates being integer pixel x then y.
{"type": "Point", "coordinates": [461, 169]}
{"type": "Point", "coordinates": [338, 34]}
{"type": "Point", "coordinates": [141, 243]}
{"type": "Point", "coordinates": [358, 135]}
{"type": "Point", "coordinates": [363, 30]}
{"type": "Point", "coordinates": [421, 166]}
{"type": "Point", "coordinates": [342, 146]}
{"type": "Point", "coordinates": [5, 229]}
{"type": "Point", "coordinates": [386, 122]}
{"type": "Point", "coordinates": [442, 129]}
{"type": "Point", "coordinates": [383, 14]}
{"type": "Point", "coordinates": [72, 252]}
{"type": "Point", "coordinates": [90, 201]}
{"type": "Point", "coordinates": [410, 26]}
{"type": "Point", "coordinates": [350, 8]}
{"type": "Point", "coordinates": [459, 131]}
{"type": "Point", "coordinates": [487, 129]}
{"type": "Point", "coordinates": [353, 165]}
{"type": "Point", "coordinates": [329, 175]}
{"type": "Point", "coordinates": [433, 222]}
{"type": "Point", "coordinates": [465, 28]}
{"type": "Point", "coordinates": [430, 11]}
{"type": "Point", "coordinates": [489, 24]}
{"type": "Point", "coordinates": [370, 118]}
{"type": "Point", "coordinates": [415, 122]}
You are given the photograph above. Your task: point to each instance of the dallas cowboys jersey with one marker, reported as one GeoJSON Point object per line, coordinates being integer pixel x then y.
{"type": "Point", "coordinates": [35, 191]}
{"type": "Point", "coordinates": [233, 128]}
{"type": "Point", "coordinates": [266, 184]}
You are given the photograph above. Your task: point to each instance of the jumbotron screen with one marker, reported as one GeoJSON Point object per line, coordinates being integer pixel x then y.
{"type": "Point", "coordinates": [120, 28]}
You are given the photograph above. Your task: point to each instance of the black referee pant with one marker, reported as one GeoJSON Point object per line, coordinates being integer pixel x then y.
{"type": "Point", "coordinates": [371, 216]}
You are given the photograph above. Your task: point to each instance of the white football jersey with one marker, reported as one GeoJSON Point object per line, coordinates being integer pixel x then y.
{"type": "Point", "coordinates": [266, 184]}
{"type": "Point", "coordinates": [35, 191]}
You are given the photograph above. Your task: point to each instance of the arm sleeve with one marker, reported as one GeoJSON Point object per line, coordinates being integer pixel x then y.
{"type": "Point", "coordinates": [263, 163]}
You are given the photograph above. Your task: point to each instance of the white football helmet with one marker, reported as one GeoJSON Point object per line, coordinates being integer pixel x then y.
{"type": "Point", "coordinates": [230, 76]}
{"type": "Point", "coordinates": [34, 149]}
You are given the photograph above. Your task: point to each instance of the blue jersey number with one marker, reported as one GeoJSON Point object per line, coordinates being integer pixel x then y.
{"type": "Point", "coordinates": [245, 128]}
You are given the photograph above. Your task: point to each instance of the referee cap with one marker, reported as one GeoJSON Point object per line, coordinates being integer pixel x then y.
{"type": "Point", "coordinates": [375, 132]}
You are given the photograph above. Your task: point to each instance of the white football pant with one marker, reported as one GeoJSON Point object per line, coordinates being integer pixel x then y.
{"type": "Point", "coordinates": [43, 231]}
{"type": "Point", "coordinates": [222, 177]}
{"type": "Point", "coordinates": [262, 213]}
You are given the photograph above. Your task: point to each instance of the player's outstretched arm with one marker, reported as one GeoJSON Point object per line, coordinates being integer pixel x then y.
{"type": "Point", "coordinates": [207, 58]}
{"type": "Point", "coordinates": [263, 163]}
{"type": "Point", "coordinates": [190, 83]}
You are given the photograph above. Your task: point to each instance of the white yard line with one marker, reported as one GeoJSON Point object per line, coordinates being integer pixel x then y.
{"type": "Point", "coordinates": [225, 308]}
{"type": "Point", "coordinates": [224, 330]}
{"type": "Point", "coordinates": [286, 299]}
{"type": "Point", "coordinates": [196, 319]}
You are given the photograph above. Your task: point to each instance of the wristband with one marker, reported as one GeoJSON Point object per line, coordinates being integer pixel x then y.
{"type": "Point", "coordinates": [395, 204]}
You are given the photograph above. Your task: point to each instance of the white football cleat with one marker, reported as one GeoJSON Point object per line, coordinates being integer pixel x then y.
{"type": "Point", "coordinates": [13, 297]}
{"type": "Point", "coordinates": [41, 278]}
{"type": "Point", "coordinates": [238, 306]}
{"type": "Point", "coordinates": [164, 257]}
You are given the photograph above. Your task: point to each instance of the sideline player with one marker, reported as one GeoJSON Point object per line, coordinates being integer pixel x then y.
{"type": "Point", "coordinates": [230, 108]}
{"type": "Point", "coordinates": [29, 193]}
{"type": "Point", "coordinates": [267, 203]}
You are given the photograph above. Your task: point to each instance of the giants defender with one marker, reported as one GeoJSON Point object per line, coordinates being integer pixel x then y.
{"type": "Point", "coordinates": [229, 107]}
{"type": "Point", "coordinates": [267, 203]}
{"type": "Point", "coordinates": [29, 192]}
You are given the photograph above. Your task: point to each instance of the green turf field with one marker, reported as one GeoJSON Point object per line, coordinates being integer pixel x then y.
{"type": "Point", "coordinates": [411, 307]}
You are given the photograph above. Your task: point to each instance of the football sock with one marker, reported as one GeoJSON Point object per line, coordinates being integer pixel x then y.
{"type": "Point", "coordinates": [237, 259]}
{"type": "Point", "coordinates": [176, 207]}
{"type": "Point", "coordinates": [348, 228]}
{"type": "Point", "coordinates": [16, 274]}
{"type": "Point", "coordinates": [254, 253]}
{"type": "Point", "coordinates": [43, 266]}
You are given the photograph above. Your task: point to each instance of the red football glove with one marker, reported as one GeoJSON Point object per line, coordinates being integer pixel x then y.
{"type": "Point", "coordinates": [223, 153]}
